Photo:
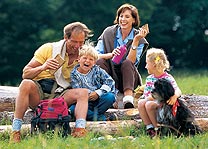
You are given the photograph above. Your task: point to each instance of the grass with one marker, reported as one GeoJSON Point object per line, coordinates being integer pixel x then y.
{"type": "Point", "coordinates": [190, 82]}
{"type": "Point", "coordinates": [93, 142]}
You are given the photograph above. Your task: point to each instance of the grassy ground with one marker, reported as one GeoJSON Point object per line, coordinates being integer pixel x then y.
{"type": "Point", "coordinates": [93, 141]}
{"type": "Point", "coordinates": [190, 82]}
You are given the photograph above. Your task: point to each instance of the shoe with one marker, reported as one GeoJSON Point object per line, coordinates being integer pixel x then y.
{"type": "Point", "coordinates": [79, 132]}
{"type": "Point", "coordinates": [15, 137]}
{"type": "Point", "coordinates": [128, 102]}
{"type": "Point", "coordinates": [112, 117]}
{"type": "Point", "coordinates": [151, 132]}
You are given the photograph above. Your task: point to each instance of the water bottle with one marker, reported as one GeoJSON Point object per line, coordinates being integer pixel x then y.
{"type": "Point", "coordinates": [117, 58]}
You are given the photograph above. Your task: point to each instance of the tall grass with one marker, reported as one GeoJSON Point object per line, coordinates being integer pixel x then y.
{"type": "Point", "coordinates": [90, 142]}
{"type": "Point", "coordinates": [190, 82]}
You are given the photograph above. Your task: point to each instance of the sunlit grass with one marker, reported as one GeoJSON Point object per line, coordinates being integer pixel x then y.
{"type": "Point", "coordinates": [141, 141]}
{"type": "Point", "coordinates": [190, 82]}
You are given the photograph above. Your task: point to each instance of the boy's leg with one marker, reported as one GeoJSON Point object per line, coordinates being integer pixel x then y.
{"type": "Point", "coordinates": [105, 102]}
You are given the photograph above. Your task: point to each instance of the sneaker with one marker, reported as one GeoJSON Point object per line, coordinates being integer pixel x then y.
{"type": "Point", "coordinates": [15, 137]}
{"type": "Point", "coordinates": [112, 117]}
{"type": "Point", "coordinates": [128, 102]}
{"type": "Point", "coordinates": [151, 132]}
{"type": "Point", "coordinates": [79, 132]}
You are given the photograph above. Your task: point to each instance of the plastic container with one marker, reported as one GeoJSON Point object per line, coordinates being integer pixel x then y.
{"type": "Point", "coordinates": [117, 59]}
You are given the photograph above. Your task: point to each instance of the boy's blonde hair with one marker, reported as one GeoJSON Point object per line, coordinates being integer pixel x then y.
{"type": "Point", "coordinates": [88, 49]}
{"type": "Point", "coordinates": [159, 58]}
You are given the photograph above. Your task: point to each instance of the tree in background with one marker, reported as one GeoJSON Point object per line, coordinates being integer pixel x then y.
{"type": "Point", "coordinates": [177, 26]}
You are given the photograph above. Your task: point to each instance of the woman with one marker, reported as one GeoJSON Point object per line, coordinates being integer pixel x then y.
{"type": "Point", "coordinates": [124, 32]}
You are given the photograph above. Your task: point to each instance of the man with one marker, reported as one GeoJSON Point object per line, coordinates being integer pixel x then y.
{"type": "Point", "coordinates": [39, 82]}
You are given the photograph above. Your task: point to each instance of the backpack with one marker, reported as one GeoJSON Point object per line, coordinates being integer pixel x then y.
{"type": "Point", "coordinates": [51, 115]}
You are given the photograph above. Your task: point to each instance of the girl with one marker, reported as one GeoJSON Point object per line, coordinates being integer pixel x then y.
{"type": "Point", "coordinates": [156, 64]}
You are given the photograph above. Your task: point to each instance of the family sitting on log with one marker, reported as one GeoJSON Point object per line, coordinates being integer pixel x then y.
{"type": "Point", "coordinates": [87, 77]}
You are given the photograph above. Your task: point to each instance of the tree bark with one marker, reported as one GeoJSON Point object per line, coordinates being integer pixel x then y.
{"type": "Point", "coordinates": [197, 103]}
{"type": "Point", "coordinates": [110, 127]}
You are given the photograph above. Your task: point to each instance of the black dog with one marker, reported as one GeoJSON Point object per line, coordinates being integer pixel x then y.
{"type": "Point", "coordinates": [179, 123]}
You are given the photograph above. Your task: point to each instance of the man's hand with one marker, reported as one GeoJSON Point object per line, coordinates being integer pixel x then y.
{"type": "Point", "coordinates": [51, 64]}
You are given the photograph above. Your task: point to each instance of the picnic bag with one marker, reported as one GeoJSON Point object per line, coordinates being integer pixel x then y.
{"type": "Point", "coordinates": [51, 115]}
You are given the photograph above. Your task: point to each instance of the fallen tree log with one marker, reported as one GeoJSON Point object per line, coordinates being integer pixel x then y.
{"type": "Point", "coordinates": [104, 127]}
{"type": "Point", "coordinates": [110, 127]}
{"type": "Point", "coordinates": [7, 98]}
{"type": "Point", "coordinates": [197, 103]}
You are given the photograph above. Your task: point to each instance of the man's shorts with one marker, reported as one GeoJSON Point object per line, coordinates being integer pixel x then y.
{"type": "Point", "coordinates": [48, 89]}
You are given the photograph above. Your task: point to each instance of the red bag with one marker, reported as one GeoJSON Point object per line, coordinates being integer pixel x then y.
{"type": "Point", "coordinates": [53, 108]}
{"type": "Point", "coordinates": [49, 114]}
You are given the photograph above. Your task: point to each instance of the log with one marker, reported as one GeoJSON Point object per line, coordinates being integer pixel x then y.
{"type": "Point", "coordinates": [110, 127]}
{"type": "Point", "coordinates": [104, 127]}
{"type": "Point", "coordinates": [123, 114]}
{"type": "Point", "coordinates": [7, 98]}
{"type": "Point", "coordinates": [197, 103]}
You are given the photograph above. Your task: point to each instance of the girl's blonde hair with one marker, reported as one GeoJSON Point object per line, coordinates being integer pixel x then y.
{"type": "Point", "coordinates": [159, 58]}
{"type": "Point", "coordinates": [88, 49]}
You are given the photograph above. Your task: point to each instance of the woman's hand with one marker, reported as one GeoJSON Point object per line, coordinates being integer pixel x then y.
{"type": "Point", "coordinates": [142, 33]}
{"type": "Point", "coordinates": [115, 52]}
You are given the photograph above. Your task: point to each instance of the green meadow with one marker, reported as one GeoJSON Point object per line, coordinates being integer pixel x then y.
{"type": "Point", "coordinates": [190, 82]}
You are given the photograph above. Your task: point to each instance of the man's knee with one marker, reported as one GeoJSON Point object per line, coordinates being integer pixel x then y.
{"type": "Point", "coordinates": [27, 85]}
{"type": "Point", "coordinates": [81, 94]}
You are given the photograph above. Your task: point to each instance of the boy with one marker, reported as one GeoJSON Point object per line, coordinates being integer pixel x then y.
{"type": "Point", "coordinates": [100, 85]}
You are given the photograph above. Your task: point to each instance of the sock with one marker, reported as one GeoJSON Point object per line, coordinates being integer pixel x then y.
{"type": "Point", "coordinates": [80, 123]}
{"type": "Point", "coordinates": [17, 124]}
{"type": "Point", "coordinates": [149, 126]}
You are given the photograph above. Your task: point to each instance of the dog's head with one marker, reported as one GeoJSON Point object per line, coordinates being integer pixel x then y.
{"type": "Point", "coordinates": [163, 90]}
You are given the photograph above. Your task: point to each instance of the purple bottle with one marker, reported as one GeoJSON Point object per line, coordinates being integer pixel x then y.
{"type": "Point", "coordinates": [117, 59]}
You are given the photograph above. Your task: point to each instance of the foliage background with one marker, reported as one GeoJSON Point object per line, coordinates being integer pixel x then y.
{"type": "Point", "coordinates": [179, 27]}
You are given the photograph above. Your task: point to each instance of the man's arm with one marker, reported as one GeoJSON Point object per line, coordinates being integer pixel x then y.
{"type": "Point", "coordinates": [33, 68]}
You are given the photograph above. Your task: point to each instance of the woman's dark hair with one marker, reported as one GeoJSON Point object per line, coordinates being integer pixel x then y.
{"type": "Point", "coordinates": [134, 13]}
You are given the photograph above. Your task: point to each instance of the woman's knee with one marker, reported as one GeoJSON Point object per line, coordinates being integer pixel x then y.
{"type": "Point", "coordinates": [100, 61]}
{"type": "Point", "coordinates": [126, 63]}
